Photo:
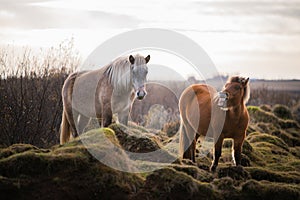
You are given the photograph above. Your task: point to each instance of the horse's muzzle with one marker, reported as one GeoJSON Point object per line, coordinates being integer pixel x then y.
{"type": "Point", "coordinates": [223, 98]}
{"type": "Point", "coordinates": [141, 93]}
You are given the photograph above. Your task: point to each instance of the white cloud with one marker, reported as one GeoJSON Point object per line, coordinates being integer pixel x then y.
{"type": "Point", "coordinates": [237, 34]}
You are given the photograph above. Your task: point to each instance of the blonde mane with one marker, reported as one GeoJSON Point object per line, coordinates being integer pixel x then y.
{"type": "Point", "coordinates": [118, 72]}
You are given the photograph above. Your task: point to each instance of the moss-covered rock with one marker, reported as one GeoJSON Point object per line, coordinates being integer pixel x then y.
{"type": "Point", "coordinates": [236, 173]}
{"type": "Point", "coordinates": [282, 111]}
{"type": "Point", "coordinates": [270, 156]}
{"type": "Point", "coordinates": [139, 145]}
{"type": "Point", "coordinates": [134, 140]}
{"type": "Point", "coordinates": [296, 112]}
{"type": "Point", "coordinates": [168, 183]}
{"type": "Point", "coordinates": [265, 190]}
{"type": "Point", "coordinates": [20, 148]}
{"type": "Point", "coordinates": [259, 115]}
{"type": "Point", "coordinates": [266, 107]}
{"type": "Point", "coordinates": [259, 173]}
{"type": "Point", "coordinates": [227, 187]}
{"type": "Point", "coordinates": [263, 137]}
{"type": "Point", "coordinates": [65, 172]}
{"type": "Point", "coordinates": [195, 172]}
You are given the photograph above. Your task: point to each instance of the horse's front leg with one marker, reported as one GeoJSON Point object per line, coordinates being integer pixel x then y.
{"type": "Point", "coordinates": [217, 154]}
{"type": "Point", "coordinates": [237, 150]}
{"type": "Point", "coordinates": [107, 112]}
{"type": "Point", "coordinates": [123, 116]}
{"type": "Point", "coordinates": [104, 107]}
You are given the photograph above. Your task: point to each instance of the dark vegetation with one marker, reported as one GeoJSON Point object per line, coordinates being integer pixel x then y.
{"type": "Point", "coordinates": [30, 94]}
{"type": "Point", "coordinates": [32, 165]}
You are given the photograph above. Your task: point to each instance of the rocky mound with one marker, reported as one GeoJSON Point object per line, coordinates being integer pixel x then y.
{"type": "Point", "coordinates": [271, 166]}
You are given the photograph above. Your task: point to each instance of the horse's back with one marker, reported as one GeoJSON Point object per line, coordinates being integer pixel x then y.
{"type": "Point", "coordinates": [195, 106]}
{"type": "Point", "coordinates": [79, 92]}
{"type": "Point", "coordinates": [200, 94]}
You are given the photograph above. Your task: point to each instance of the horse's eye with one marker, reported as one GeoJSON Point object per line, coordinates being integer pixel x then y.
{"type": "Point", "coordinates": [237, 87]}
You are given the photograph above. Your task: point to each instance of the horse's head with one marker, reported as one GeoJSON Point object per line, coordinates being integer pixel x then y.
{"type": "Point", "coordinates": [139, 71]}
{"type": "Point", "coordinates": [234, 93]}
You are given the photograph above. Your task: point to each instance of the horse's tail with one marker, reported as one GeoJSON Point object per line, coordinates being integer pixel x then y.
{"type": "Point", "coordinates": [183, 140]}
{"type": "Point", "coordinates": [67, 118]}
{"type": "Point", "coordinates": [65, 129]}
{"type": "Point", "coordinates": [187, 132]}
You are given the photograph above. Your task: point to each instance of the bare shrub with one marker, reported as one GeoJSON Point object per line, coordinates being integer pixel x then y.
{"type": "Point", "coordinates": [30, 90]}
{"type": "Point", "coordinates": [264, 95]}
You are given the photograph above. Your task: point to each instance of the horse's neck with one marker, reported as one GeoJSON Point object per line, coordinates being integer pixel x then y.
{"type": "Point", "coordinates": [237, 111]}
{"type": "Point", "coordinates": [120, 91]}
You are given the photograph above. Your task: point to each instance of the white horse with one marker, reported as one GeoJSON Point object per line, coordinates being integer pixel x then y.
{"type": "Point", "coordinates": [101, 93]}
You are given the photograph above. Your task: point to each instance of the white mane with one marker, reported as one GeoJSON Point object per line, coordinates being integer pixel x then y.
{"type": "Point", "coordinates": [119, 74]}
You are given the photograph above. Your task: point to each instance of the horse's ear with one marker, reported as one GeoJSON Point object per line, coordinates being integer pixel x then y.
{"type": "Point", "coordinates": [147, 58]}
{"type": "Point", "coordinates": [245, 82]}
{"type": "Point", "coordinates": [131, 59]}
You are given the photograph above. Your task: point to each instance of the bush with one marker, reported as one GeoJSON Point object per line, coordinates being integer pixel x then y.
{"type": "Point", "coordinates": [296, 112]}
{"type": "Point", "coordinates": [171, 128]}
{"type": "Point", "coordinates": [30, 88]}
{"type": "Point", "coordinates": [282, 112]}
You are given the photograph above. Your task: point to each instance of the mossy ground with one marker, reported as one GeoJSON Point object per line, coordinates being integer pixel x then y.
{"type": "Point", "coordinates": [270, 159]}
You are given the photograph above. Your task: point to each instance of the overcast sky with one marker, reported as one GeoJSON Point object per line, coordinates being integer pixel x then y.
{"type": "Point", "coordinates": [258, 38]}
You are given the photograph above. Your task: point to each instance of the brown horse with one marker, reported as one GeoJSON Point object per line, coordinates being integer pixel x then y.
{"type": "Point", "coordinates": [157, 94]}
{"type": "Point", "coordinates": [101, 93]}
{"type": "Point", "coordinates": [207, 113]}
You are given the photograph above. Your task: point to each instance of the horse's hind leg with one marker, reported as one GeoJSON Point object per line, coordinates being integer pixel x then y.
{"type": "Point", "coordinates": [217, 154]}
{"type": "Point", "coordinates": [190, 152]}
{"type": "Point", "coordinates": [82, 123]}
{"type": "Point", "coordinates": [187, 142]}
{"type": "Point", "coordinates": [64, 129]}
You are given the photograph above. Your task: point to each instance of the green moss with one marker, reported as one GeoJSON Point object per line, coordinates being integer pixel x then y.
{"type": "Point", "coordinates": [168, 183]}
{"type": "Point", "coordinates": [195, 172]}
{"type": "Point", "coordinates": [19, 148]}
{"type": "Point", "coordinates": [263, 137]}
{"type": "Point", "coordinates": [266, 107]}
{"type": "Point", "coordinates": [236, 173]}
{"type": "Point", "coordinates": [134, 140]}
{"type": "Point", "coordinates": [265, 190]}
{"type": "Point", "coordinates": [253, 108]}
{"type": "Point", "coordinates": [36, 164]}
{"type": "Point", "coordinates": [289, 138]}
{"type": "Point", "coordinates": [282, 112]}
{"type": "Point", "coordinates": [225, 183]}
{"type": "Point", "coordinates": [203, 162]}
{"type": "Point", "coordinates": [251, 128]}
{"type": "Point", "coordinates": [258, 173]}
{"type": "Point", "coordinates": [259, 115]}
{"type": "Point", "coordinates": [295, 151]}
{"type": "Point", "coordinates": [96, 136]}
{"type": "Point", "coordinates": [271, 149]}
{"type": "Point", "coordinates": [295, 164]}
